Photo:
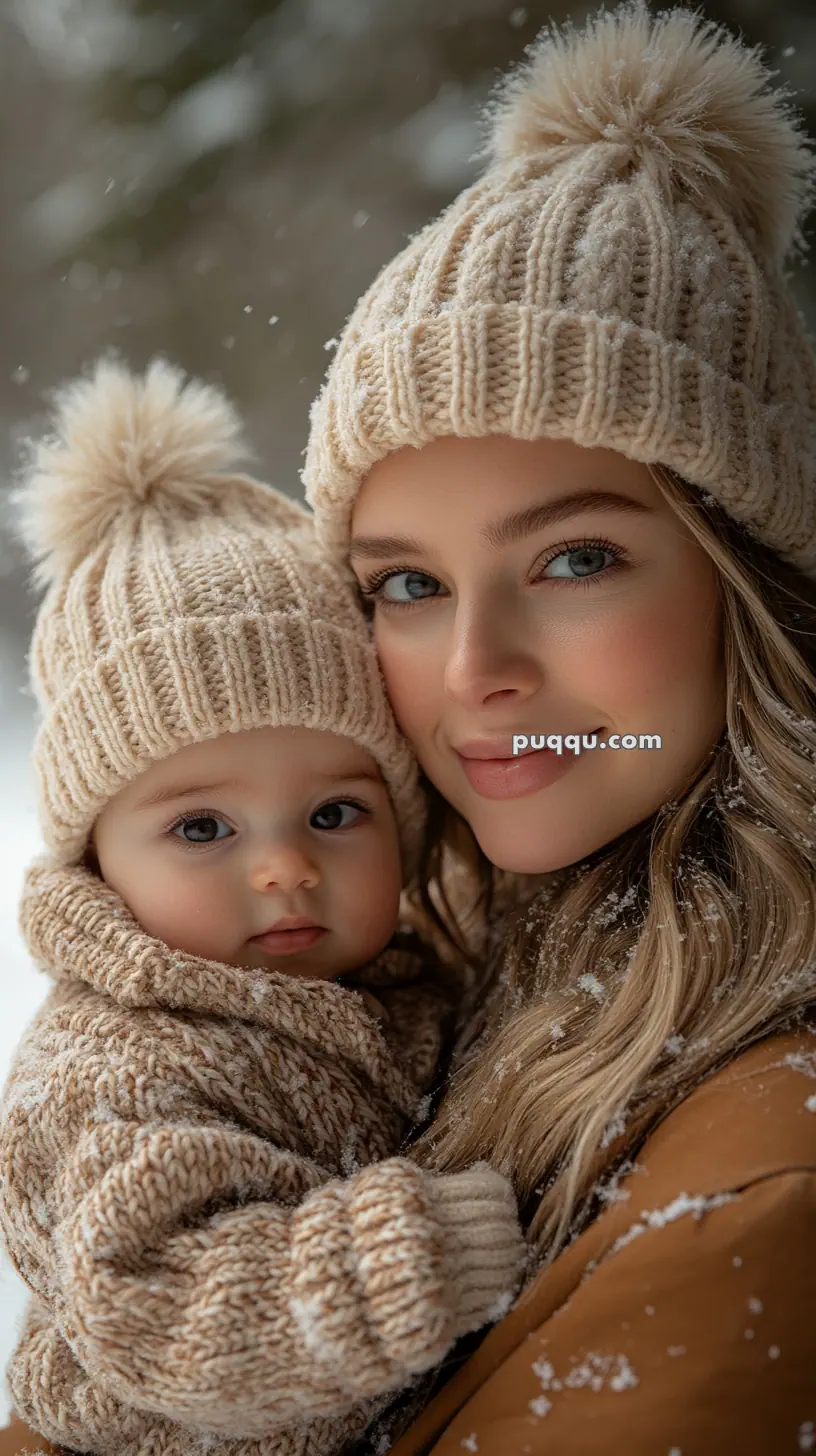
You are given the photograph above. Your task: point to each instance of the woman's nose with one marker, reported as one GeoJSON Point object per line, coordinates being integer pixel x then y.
{"type": "Point", "coordinates": [284, 865]}
{"type": "Point", "coordinates": [488, 659]}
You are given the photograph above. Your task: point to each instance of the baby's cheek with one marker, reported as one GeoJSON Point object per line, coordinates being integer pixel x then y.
{"type": "Point", "coordinates": [373, 887]}
{"type": "Point", "coordinates": [190, 913]}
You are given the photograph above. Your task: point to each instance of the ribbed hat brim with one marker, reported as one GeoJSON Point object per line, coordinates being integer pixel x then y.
{"type": "Point", "coordinates": [525, 372]}
{"type": "Point", "coordinates": [196, 679]}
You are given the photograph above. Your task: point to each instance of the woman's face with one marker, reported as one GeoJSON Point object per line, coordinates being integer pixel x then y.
{"type": "Point", "coordinates": [528, 588]}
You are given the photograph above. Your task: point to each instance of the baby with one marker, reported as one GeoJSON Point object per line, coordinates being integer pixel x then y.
{"type": "Point", "coordinates": [199, 1180]}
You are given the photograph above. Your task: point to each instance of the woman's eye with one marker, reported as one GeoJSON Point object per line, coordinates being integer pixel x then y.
{"type": "Point", "coordinates": [408, 586]}
{"type": "Point", "coordinates": [335, 816]}
{"type": "Point", "coordinates": [203, 829]}
{"type": "Point", "coordinates": [583, 561]}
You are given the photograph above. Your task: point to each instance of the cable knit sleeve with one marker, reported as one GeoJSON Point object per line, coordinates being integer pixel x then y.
{"type": "Point", "coordinates": [199, 1274]}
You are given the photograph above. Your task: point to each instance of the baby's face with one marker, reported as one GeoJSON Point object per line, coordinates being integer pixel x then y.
{"type": "Point", "coordinates": [274, 848]}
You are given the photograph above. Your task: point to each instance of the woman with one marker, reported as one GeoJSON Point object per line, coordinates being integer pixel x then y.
{"type": "Point", "coordinates": [566, 445]}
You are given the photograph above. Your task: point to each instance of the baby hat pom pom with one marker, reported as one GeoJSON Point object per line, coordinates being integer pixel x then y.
{"type": "Point", "coordinates": [121, 440]}
{"type": "Point", "coordinates": [674, 92]}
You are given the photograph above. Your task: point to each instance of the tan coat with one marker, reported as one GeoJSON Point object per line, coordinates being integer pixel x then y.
{"type": "Point", "coordinates": [683, 1321]}
{"type": "Point", "coordinates": [197, 1184]}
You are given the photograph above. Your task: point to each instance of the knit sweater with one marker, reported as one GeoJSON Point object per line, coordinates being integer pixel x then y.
{"type": "Point", "coordinates": [199, 1187]}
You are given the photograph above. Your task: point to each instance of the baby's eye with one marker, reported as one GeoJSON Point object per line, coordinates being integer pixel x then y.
{"type": "Point", "coordinates": [339, 815]}
{"type": "Point", "coordinates": [201, 829]}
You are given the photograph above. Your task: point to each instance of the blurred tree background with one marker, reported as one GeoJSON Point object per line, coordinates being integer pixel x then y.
{"type": "Point", "coordinates": [218, 180]}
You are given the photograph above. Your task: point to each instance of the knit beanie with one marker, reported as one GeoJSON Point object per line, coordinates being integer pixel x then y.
{"type": "Point", "coordinates": [183, 601]}
{"type": "Point", "coordinates": [615, 278]}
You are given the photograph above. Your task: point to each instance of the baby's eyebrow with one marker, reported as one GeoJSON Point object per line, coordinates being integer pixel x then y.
{"type": "Point", "coordinates": [340, 776]}
{"type": "Point", "coordinates": [161, 796]}
{"type": "Point", "coordinates": [199, 791]}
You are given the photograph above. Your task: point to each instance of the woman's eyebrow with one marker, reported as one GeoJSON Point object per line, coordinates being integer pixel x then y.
{"type": "Point", "coordinates": [385, 545]}
{"type": "Point", "coordinates": [512, 527]}
{"type": "Point", "coordinates": [535, 518]}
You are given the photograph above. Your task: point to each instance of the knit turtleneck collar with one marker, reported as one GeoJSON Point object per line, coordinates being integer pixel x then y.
{"type": "Point", "coordinates": [79, 929]}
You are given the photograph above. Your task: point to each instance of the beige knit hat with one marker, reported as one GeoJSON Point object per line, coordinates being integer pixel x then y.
{"type": "Point", "coordinates": [615, 278]}
{"type": "Point", "coordinates": [184, 601]}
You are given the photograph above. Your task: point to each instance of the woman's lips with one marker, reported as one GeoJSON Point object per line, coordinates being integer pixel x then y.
{"type": "Point", "coordinates": [511, 776]}
{"type": "Point", "coordinates": [289, 942]}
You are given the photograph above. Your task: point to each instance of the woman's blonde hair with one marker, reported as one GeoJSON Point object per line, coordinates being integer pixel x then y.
{"type": "Point", "coordinates": [645, 967]}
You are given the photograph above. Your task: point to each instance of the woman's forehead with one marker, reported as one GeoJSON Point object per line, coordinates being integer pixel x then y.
{"type": "Point", "coordinates": [503, 487]}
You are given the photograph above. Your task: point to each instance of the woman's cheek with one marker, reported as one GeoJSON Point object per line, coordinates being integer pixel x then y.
{"type": "Point", "coordinates": [647, 660]}
{"type": "Point", "coordinates": [625, 662]}
{"type": "Point", "coordinates": [411, 681]}
{"type": "Point", "coordinates": [658, 674]}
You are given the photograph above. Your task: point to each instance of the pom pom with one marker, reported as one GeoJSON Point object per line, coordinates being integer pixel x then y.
{"type": "Point", "coordinates": [122, 440]}
{"type": "Point", "coordinates": [674, 93]}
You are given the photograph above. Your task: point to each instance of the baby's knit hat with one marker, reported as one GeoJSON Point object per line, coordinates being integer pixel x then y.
{"type": "Point", "coordinates": [184, 601]}
{"type": "Point", "coordinates": [614, 278]}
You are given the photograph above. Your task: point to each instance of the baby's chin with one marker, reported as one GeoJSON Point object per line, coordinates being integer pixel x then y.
{"type": "Point", "coordinates": [298, 967]}
{"type": "Point", "coordinates": [339, 952]}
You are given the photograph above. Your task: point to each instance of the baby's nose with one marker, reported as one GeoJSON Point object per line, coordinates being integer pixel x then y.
{"type": "Point", "coordinates": [284, 866]}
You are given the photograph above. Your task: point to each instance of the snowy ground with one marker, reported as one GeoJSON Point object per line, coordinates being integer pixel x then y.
{"type": "Point", "coordinates": [23, 988]}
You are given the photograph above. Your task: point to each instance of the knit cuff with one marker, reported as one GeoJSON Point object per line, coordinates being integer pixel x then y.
{"type": "Point", "coordinates": [484, 1250]}
{"type": "Point", "coordinates": [390, 1267]}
